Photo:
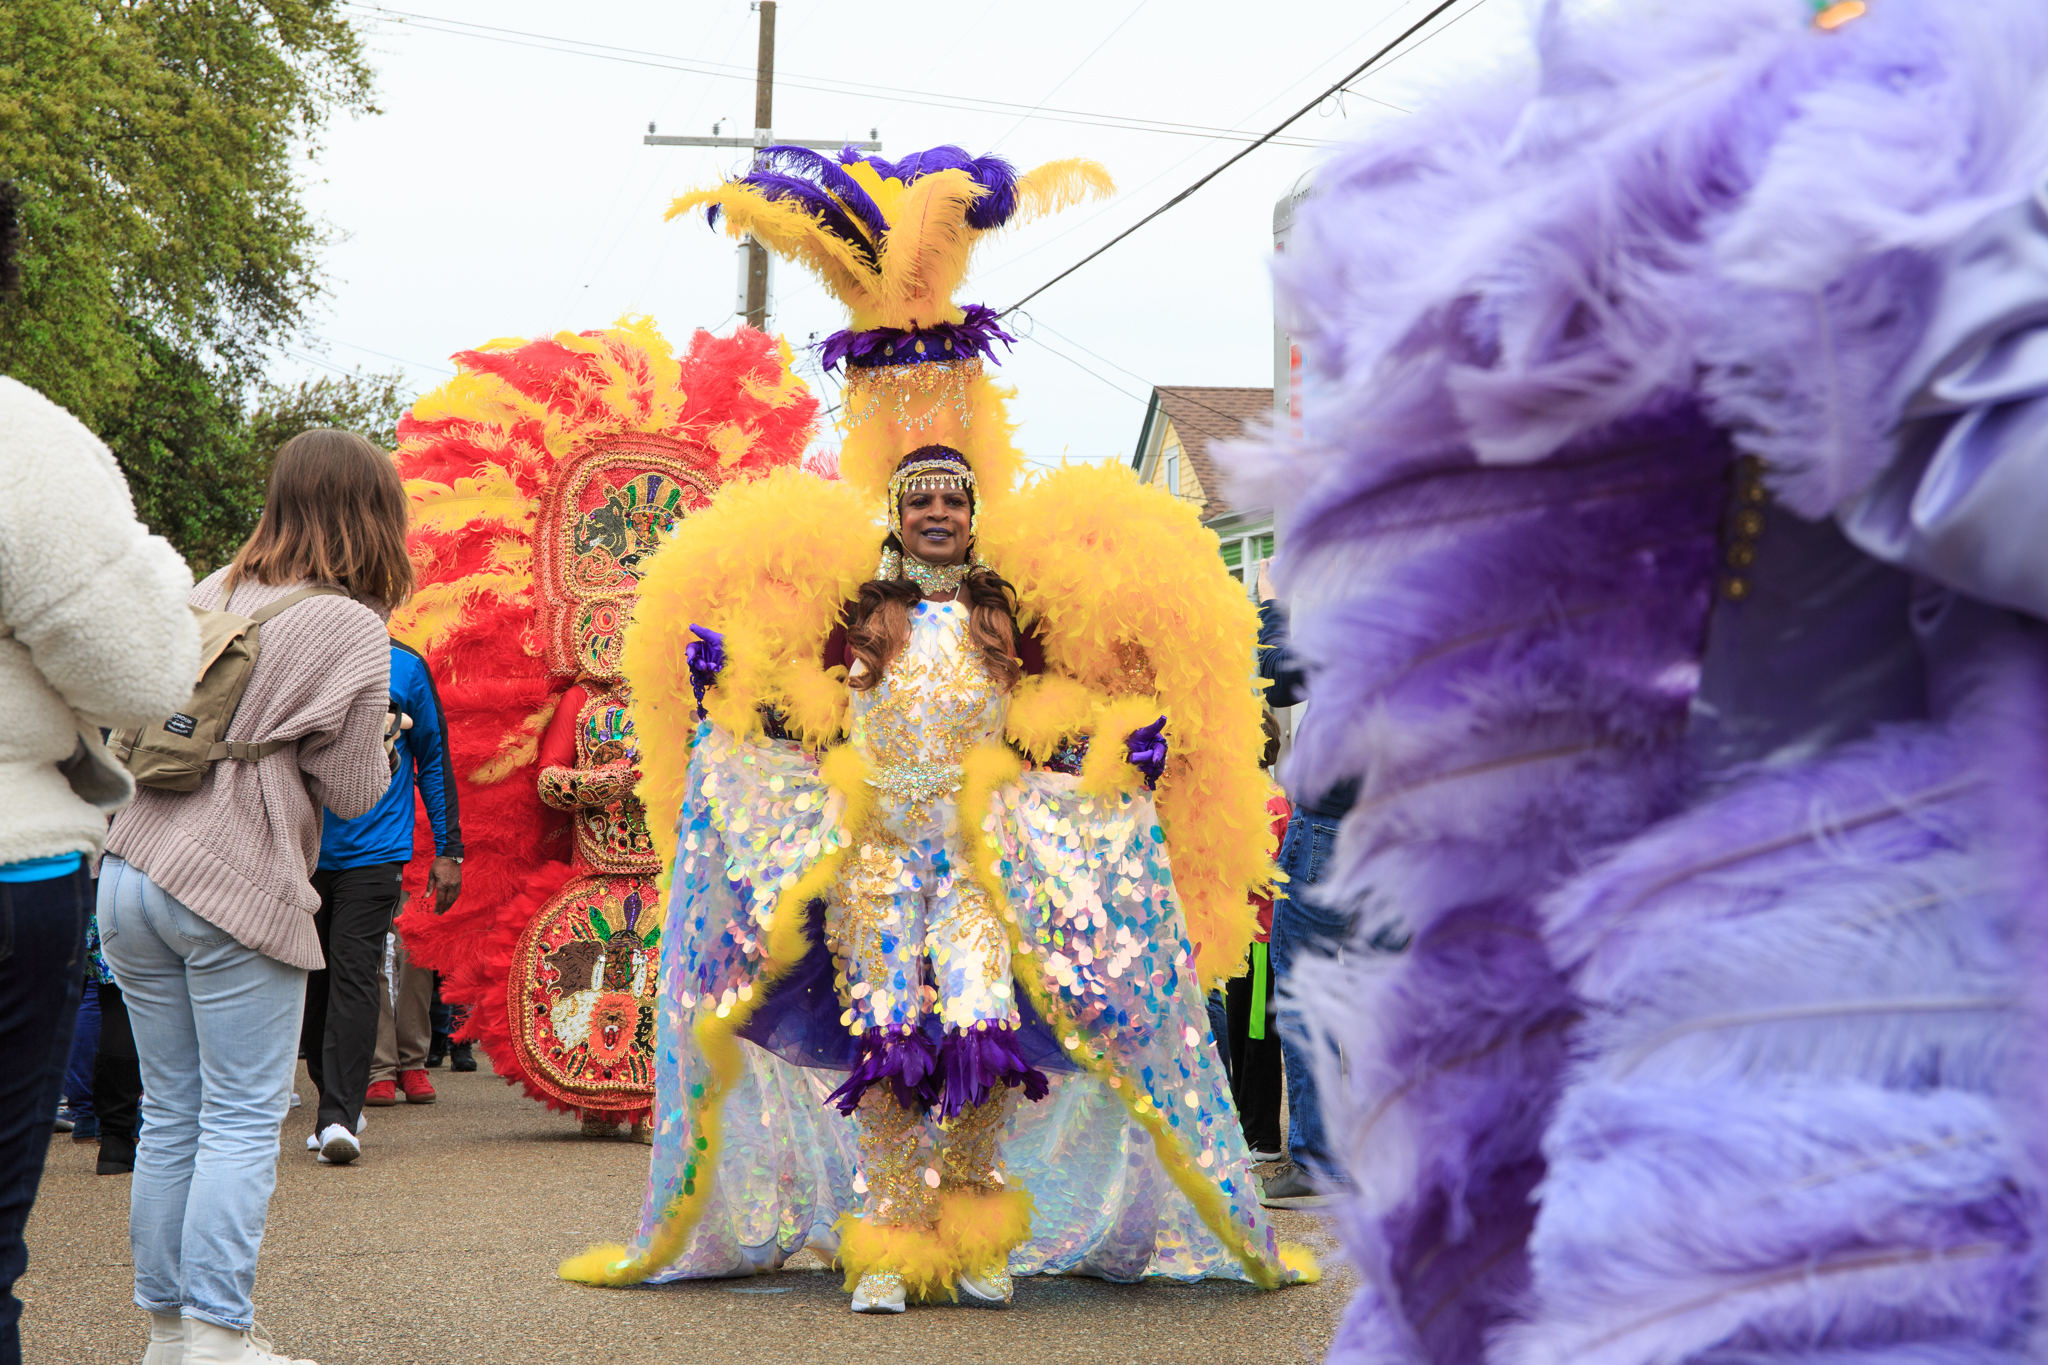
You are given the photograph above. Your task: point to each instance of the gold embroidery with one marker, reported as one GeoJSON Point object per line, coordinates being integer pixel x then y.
{"type": "Point", "coordinates": [924, 718]}
{"type": "Point", "coordinates": [972, 1154]}
{"type": "Point", "coordinates": [867, 906]}
{"type": "Point", "coordinates": [894, 1164]}
{"type": "Point", "coordinates": [970, 924]}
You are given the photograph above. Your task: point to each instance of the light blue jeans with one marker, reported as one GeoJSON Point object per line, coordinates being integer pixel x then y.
{"type": "Point", "coordinates": [217, 1028]}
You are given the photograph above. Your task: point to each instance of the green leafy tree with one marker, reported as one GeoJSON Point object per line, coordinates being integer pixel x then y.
{"type": "Point", "coordinates": [197, 465]}
{"type": "Point", "coordinates": [163, 245]}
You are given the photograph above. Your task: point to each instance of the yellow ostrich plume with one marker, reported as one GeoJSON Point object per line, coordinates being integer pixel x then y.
{"type": "Point", "coordinates": [892, 240]}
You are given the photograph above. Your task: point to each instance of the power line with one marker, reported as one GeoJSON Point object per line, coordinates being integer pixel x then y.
{"type": "Point", "coordinates": [1183, 395]}
{"type": "Point", "coordinates": [1236, 157]}
{"type": "Point", "coordinates": [384, 355]}
{"type": "Point", "coordinates": [1061, 85]}
{"type": "Point", "coordinates": [577, 47]}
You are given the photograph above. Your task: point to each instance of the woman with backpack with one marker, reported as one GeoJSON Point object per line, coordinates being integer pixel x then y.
{"type": "Point", "coordinates": [206, 903]}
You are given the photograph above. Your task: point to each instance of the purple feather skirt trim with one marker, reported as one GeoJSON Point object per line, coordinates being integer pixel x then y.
{"type": "Point", "coordinates": [906, 1062]}
{"type": "Point", "coordinates": [977, 1063]}
{"type": "Point", "coordinates": [959, 1074]}
{"type": "Point", "coordinates": [798, 1021]}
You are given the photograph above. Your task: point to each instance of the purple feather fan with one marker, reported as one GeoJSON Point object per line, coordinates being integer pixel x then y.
{"type": "Point", "coordinates": [1619, 1102]}
{"type": "Point", "coordinates": [1784, 1122]}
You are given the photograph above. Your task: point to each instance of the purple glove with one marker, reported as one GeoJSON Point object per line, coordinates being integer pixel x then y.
{"type": "Point", "coordinates": [1147, 751]}
{"type": "Point", "coordinates": [706, 657]}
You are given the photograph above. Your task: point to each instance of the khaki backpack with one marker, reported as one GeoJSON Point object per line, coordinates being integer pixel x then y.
{"type": "Point", "coordinates": [175, 755]}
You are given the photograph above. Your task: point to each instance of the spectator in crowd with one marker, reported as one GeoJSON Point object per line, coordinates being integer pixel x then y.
{"type": "Point", "coordinates": [75, 1115]}
{"type": "Point", "coordinates": [93, 632]}
{"type": "Point", "coordinates": [369, 851]}
{"type": "Point", "coordinates": [1257, 1063]}
{"type": "Point", "coordinates": [116, 1083]}
{"type": "Point", "coordinates": [1301, 925]}
{"type": "Point", "coordinates": [206, 903]}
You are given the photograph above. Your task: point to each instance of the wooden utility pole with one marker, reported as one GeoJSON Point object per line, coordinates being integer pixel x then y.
{"type": "Point", "coordinates": [753, 298]}
{"type": "Point", "coordinates": [764, 119]}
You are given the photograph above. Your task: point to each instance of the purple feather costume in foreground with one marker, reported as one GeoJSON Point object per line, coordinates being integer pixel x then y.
{"type": "Point", "coordinates": [1663, 544]}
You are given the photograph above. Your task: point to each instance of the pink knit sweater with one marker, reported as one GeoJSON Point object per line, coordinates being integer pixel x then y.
{"type": "Point", "coordinates": [240, 851]}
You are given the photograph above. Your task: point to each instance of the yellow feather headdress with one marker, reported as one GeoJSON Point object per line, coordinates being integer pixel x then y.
{"type": "Point", "coordinates": [892, 240]}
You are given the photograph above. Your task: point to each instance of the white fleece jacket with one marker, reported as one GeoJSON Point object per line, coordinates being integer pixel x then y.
{"type": "Point", "coordinates": [94, 630]}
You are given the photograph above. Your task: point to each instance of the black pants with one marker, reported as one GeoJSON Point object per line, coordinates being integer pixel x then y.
{"type": "Point", "coordinates": [1256, 1073]}
{"type": "Point", "coordinates": [116, 1078]}
{"type": "Point", "coordinates": [42, 973]}
{"type": "Point", "coordinates": [340, 1032]}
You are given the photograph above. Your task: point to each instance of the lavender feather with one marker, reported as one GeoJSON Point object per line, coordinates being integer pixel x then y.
{"type": "Point", "coordinates": [1500, 609]}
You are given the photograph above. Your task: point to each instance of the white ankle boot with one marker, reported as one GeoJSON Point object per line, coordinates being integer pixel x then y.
{"type": "Point", "coordinates": [207, 1344]}
{"type": "Point", "coordinates": [166, 1340]}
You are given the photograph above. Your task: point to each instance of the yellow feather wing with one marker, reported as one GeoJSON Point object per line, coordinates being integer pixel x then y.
{"type": "Point", "coordinates": [1133, 601]}
{"type": "Point", "coordinates": [768, 564]}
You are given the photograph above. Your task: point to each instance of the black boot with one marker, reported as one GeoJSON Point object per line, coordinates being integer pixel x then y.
{"type": "Point", "coordinates": [117, 1094]}
{"type": "Point", "coordinates": [460, 1058]}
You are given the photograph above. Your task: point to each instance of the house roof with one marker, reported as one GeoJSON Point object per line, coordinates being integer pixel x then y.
{"type": "Point", "coordinates": [1204, 416]}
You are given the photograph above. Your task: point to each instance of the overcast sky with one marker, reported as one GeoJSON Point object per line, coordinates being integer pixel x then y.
{"type": "Point", "coordinates": [505, 191]}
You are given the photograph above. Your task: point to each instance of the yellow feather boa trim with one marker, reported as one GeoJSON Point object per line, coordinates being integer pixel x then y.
{"type": "Point", "coordinates": [987, 768]}
{"type": "Point", "coordinates": [718, 1036]}
{"type": "Point", "coordinates": [972, 1232]}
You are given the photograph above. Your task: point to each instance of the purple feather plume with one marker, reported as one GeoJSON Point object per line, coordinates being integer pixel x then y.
{"type": "Point", "coordinates": [978, 1062]}
{"type": "Point", "coordinates": [907, 1063]}
{"type": "Point", "coordinates": [956, 1073]}
{"type": "Point", "coordinates": [705, 657]}
{"type": "Point", "coordinates": [1538, 319]}
{"type": "Point", "coordinates": [1145, 747]}
{"type": "Point", "coordinates": [992, 173]}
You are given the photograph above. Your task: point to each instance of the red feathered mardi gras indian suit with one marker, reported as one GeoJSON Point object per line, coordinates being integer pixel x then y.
{"type": "Point", "coordinates": [541, 476]}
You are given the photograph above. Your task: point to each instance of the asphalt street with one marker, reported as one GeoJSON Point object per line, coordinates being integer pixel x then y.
{"type": "Point", "coordinates": [439, 1248]}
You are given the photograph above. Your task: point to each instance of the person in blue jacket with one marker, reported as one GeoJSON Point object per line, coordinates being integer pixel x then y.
{"type": "Point", "coordinates": [361, 864]}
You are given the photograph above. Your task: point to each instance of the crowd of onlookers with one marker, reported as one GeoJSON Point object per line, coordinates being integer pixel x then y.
{"type": "Point", "coordinates": [235, 913]}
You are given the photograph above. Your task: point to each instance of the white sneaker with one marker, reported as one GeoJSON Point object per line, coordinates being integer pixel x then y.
{"type": "Point", "coordinates": [879, 1291]}
{"type": "Point", "coordinates": [989, 1289]}
{"type": "Point", "coordinates": [166, 1340]}
{"type": "Point", "coordinates": [313, 1138]}
{"type": "Point", "coordinates": [338, 1146]}
{"type": "Point", "coordinates": [295, 1099]}
{"type": "Point", "coordinates": [207, 1344]}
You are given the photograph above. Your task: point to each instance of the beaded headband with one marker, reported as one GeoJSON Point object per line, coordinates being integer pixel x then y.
{"type": "Point", "coordinates": [929, 469]}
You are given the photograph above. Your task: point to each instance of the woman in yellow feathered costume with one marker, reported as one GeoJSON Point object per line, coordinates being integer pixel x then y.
{"type": "Point", "coordinates": [912, 725]}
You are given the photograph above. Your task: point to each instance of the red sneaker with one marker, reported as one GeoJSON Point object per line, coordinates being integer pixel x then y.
{"type": "Point", "coordinates": [418, 1089]}
{"type": "Point", "coordinates": [379, 1095]}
